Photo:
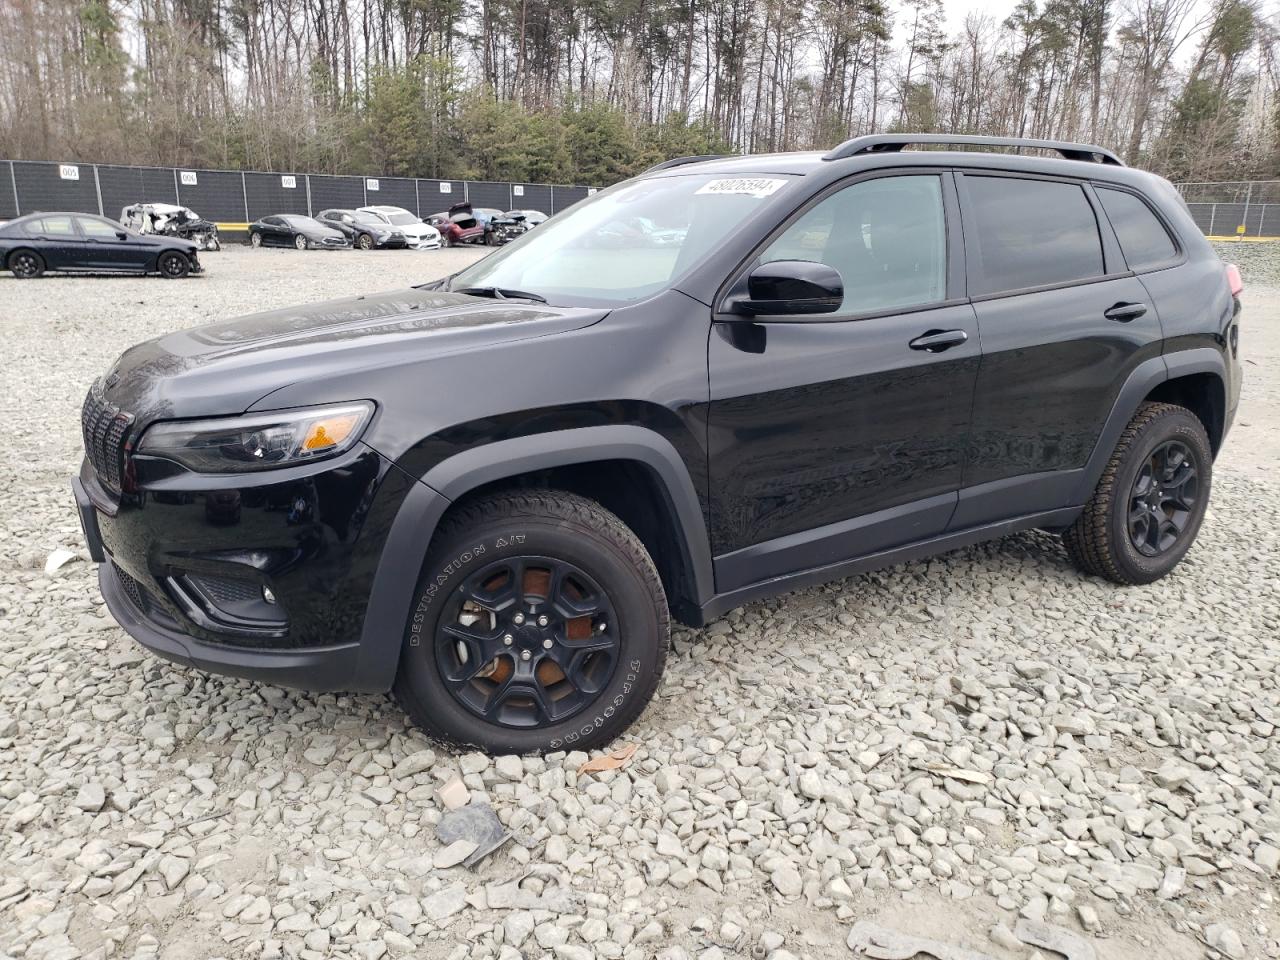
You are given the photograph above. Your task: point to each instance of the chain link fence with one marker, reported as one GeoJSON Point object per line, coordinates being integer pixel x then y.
{"type": "Point", "coordinates": [1243, 208]}
{"type": "Point", "coordinates": [233, 198]}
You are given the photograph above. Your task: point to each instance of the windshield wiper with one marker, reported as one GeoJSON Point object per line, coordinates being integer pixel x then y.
{"type": "Point", "coordinates": [502, 293]}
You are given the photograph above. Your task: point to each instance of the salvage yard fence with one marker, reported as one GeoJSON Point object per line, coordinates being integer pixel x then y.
{"type": "Point", "coordinates": [1239, 208]}
{"type": "Point", "coordinates": [234, 198]}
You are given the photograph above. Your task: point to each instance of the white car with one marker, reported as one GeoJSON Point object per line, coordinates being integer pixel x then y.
{"type": "Point", "coordinates": [421, 236]}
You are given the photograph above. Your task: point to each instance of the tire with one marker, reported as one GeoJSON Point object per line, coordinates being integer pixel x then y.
{"type": "Point", "coordinates": [173, 266]}
{"type": "Point", "coordinates": [300, 242]}
{"type": "Point", "coordinates": [255, 240]}
{"type": "Point", "coordinates": [26, 264]}
{"type": "Point", "coordinates": [364, 242]}
{"type": "Point", "coordinates": [446, 240]}
{"type": "Point", "coordinates": [1163, 457]}
{"type": "Point", "coordinates": [497, 544]}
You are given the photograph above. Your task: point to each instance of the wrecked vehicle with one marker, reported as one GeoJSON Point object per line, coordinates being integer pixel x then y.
{"type": "Point", "coordinates": [463, 224]}
{"type": "Point", "coordinates": [171, 220]}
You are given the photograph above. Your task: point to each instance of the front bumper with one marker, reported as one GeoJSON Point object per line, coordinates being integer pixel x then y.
{"type": "Point", "coordinates": [320, 668]}
{"type": "Point", "coordinates": [415, 243]}
{"type": "Point", "coordinates": [183, 558]}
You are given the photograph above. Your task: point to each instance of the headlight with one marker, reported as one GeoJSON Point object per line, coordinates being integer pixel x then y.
{"type": "Point", "coordinates": [258, 441]}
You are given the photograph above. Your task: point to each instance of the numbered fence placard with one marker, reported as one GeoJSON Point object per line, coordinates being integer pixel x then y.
{"type": "Point", "coordinates": [288, 182]}
{"type": "Point", "coordinates": [446, 188]}
{"type": "Point", "coordinates": [187, 177]}
{"type": "Point", "coordinates": [69, 171]}
{"type": "Point", "coordinates": [371, 184]}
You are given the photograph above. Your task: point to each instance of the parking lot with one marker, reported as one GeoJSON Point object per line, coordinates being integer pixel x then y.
{"type": "Point", "coordinates": [940, 748]}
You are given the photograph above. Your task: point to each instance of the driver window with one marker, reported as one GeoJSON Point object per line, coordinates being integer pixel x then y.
{"type": "Point", "coordinates": [887, 238]}
{"type": "Point", "coordinates": [97, 229]}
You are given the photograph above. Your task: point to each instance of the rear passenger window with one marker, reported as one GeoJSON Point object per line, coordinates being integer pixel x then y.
{"type": "Point", "coordinates": [1143, 239]}
{"type": "Point", "coordinates": [1030, 233]}
{"type": "Point", "coordinates": [52, 227]}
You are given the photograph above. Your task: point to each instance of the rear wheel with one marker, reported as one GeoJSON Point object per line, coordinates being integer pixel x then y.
{"type": "Point", "coordinates": [1147, 509]}
{"type": "Point", "coordinates": [541, 624]}
{"type": "Point", "coordinates": [173, 266]}
{"type": "Point", "coordinates": [300, 242]}
{"type": "Point", "coordinates": [255, 239]}
{"type": "Point", "coordinates": [26, 264]}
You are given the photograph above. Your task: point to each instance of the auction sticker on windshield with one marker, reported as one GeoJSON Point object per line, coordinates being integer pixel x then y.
{"type": "Point", "coordinates": [747, 186]}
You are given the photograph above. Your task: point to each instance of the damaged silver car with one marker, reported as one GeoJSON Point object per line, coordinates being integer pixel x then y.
{"type": "Point", "coordinates": [172, 221]}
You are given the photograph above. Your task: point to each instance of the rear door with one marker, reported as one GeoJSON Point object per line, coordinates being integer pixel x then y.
{"type": "Point", "coordinates": [58, 241]}
{"type": "Point", "coordinates": [1063, 322]}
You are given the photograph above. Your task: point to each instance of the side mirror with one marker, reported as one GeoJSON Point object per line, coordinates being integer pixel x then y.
{"type": "Point", "coordinates": [792, 287]}
{"type": "Point", "coordinates": [121, 235]}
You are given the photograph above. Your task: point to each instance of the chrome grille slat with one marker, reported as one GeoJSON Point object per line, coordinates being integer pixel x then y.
{"type": "Point", "coordinates": [105, 428]}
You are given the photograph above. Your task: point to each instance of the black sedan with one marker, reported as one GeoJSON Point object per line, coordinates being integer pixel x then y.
{"type": "Point", "coordinates": [38, 242]}
{"type": "Point", "coordinates": [364, 230]}
{"type": "Point", "coordinates": [294, 230]}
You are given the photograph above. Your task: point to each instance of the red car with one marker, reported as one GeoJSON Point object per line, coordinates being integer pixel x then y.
{"type": "Point", "coordinates": [458, 225]}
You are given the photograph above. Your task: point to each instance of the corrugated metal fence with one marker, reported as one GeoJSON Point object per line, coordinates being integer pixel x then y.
{"type": "Point", "coordinates": [236, 197]}
{"type": "Point", "coordinates": [1246, 208]}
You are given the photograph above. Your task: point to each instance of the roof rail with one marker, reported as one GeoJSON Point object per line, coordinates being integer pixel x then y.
{"type": "Point", "coordinates": [894, 142]}
{"type": "Point", "coordinates": [681, 161]}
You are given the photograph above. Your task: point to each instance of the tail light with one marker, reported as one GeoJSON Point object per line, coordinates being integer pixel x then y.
{"type": "Point", "coordinates": [1233, 278]}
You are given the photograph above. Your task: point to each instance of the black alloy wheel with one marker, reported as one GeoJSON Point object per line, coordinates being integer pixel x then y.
{"type": "Point", "coordinates": [527, 641]}
{"type": "Point", "coordinates": [26, 265]}
{"type": "Point", "coordinates": [1163, 499]}
{"type": "Point", "coordinates": [1146, 511]}
{"type": "Point", "coordinates": [541, 624]}
{"type": "Point", "coordinates": [174, 266]}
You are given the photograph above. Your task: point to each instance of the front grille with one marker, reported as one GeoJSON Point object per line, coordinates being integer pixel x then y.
{"type": "Point", "coordinates": [132, 588]}
{"type": "Point", "coordinates": [105, 427]}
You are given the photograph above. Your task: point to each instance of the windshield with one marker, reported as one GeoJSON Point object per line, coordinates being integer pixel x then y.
{"type": "Point", "coordinates": [370, 218]}
{"type": "Point", "coordinates": [624, 243]}
{"type": "Point", "coordinates": [402, 219]}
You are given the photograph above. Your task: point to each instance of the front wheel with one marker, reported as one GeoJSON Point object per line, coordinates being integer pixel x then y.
{"type": "Point", "coordinates": [173, 266]}
{"type": "Point", "coordinates": [540, 624]}
{"type": "Point", "coordinates": [300, 242]}
{"type": "Point", "coordinates": [255, 240]}
{"type": "Point", "coordinates": [26, 264]}
{"type": "Point", "coordinates": [1148, 506]}
{"type": "Point", "coordinates": [365, 242]}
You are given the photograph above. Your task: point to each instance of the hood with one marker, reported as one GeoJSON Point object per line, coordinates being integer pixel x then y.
{"type": "Point", "coordinates": [227, 367]}
{"type": "Point", "coordinates": [414, 229]}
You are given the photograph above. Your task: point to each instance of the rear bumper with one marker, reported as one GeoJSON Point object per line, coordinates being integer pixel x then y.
{"type": "Point", "coordinates": [320, 668]}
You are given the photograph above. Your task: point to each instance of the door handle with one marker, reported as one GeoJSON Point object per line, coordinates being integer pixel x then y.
{"type": "Point", "coordinates": [935, 341]}
{"type": "Point", "coordinates": [1124, 312]}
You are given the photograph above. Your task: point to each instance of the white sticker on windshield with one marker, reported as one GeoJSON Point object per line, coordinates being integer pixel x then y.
{"type": "Point", "coordinates": [745, 186]}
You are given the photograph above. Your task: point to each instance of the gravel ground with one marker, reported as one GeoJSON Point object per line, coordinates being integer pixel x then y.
{"type": "Point", "coordinates": [939, 748]}
{"type": "Point", "coordinates": [1258, 262]}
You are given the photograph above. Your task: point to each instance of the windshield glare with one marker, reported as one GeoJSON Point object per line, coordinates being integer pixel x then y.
{"type": "Point", "coordinates": [402, 219]}
{"type": "Point", "coordinates": [625, 243]}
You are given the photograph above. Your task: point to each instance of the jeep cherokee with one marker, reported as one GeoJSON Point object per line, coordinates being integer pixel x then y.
{"type": "Point", "coordinates": [489, 493]}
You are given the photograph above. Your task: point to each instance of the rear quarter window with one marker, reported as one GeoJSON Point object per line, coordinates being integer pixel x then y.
{"type": "Point", "coordinates": [1144, 241]}
{"type": "Point", "coordinates": [1029, 233]}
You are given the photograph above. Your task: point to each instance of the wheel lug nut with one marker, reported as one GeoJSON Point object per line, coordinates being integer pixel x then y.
{"type": "Point", "coordinates": [518, 619]}
{"type": "Point", "coordinates": [546, 644]}
{"type": "Point", "coordinates": [508, 640]}
{"type": "Point", "coordinates": [543, 621]}
{"type": "Point", "coordinates": [525, 655]}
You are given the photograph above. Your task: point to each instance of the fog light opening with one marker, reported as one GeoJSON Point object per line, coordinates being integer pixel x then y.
{"type": "Point", "coordinates": [268, 596]}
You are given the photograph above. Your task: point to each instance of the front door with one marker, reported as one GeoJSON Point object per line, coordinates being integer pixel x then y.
{"type": "Point", "coordinates": [844, 435]}
{"type": "Point", "coordinates": [1063, 324]}
{"type": "Point", "coordinates": [107, 246]}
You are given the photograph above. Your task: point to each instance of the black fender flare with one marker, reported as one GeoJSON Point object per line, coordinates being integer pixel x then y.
{"type": "Point", "coordinates": [393, 594]}
{"type": "Point", "coordinates": [1144, 378]}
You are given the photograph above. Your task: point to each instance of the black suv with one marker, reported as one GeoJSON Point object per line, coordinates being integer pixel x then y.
{"type": "Point", "coordinates": [489, 493]}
